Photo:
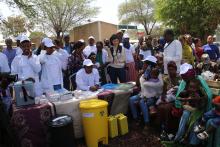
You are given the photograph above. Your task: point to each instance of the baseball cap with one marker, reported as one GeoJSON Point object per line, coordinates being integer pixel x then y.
{"type": "Point", "coordinates": [184, 68]}
{"type": "Point", "coordinates": [24, 38]}
{"type": "Point", "coordinates": [87, 62]}
{"type": "Point", "coordinates": [151, 59]}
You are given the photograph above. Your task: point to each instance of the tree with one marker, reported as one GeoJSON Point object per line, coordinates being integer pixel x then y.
{"type": "Point", "coordinates": [58, 16]}
{"type": "Point", "coordinates": [197, 17]}
{"type": "Point", "coordinates": [14, 25]}
{"type": "Point", "coordinates": [36, 35]}
{"type": "Point", "coordinates": [138, 11]}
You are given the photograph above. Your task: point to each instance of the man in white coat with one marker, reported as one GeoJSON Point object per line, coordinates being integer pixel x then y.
{"type": "Point", "coordinates": [172, 50]}
{"type": "Point", "coordinates": [51, 77]}
{"type": "Point", "coordinates": [4, 67]}
{"type": "Point", "coordinates": [91, 48]}
{"type": "Point", "coordinates": [87, 78]}
{"type": "Point", "coordinates": [27, 65]}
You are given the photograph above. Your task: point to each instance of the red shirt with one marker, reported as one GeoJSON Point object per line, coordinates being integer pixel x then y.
{"type": "Point", "coordinates": [199, 52]}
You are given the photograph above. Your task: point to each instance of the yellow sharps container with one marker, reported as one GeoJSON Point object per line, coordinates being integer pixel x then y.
{"type": "Point", "coordinates": [95, 121]}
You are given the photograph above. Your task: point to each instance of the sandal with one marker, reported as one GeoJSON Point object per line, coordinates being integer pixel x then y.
{"type": "Point", "coordinates": [203, 136]}
{"type": "Point", "coordinates": [199, 128]}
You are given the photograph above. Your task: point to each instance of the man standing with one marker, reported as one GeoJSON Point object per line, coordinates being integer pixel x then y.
{"type": "Point", "coordinates": [52, 76]}
{"type": "Point", "coordinates": [172, 50]}
{"type": "Point", "coordinates": [9, 51]}
{"type": "Point", "coordinates": [67, 45]}
{"type": "Point", "coordinates": [91, 48]}
{"type": "Point", "coordinates": [4, 67]}
{"type": "Point", "coordinates": [87, 78]}
{"type": "Point", "coordinates": [211, 49]}
{"type": "Point", "coordinates": [27, 65]}
{"type": "Point", "coordinates": [18, 48]}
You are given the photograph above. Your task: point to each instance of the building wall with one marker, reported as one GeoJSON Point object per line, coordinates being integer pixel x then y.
{"type": "Point", "coordinates": [100, 30]}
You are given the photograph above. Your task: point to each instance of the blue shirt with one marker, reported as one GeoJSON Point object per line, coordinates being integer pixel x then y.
{"type": "Point", "coordinates": [10, 53]}
{"type": "Point", "coordinates": [212, 50]}
{"type": "Point", "coordinates": [67, 48]}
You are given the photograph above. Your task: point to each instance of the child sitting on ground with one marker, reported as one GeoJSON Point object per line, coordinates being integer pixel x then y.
{"type": "Point", "coordinates": [193, 97]}
{"type": "Point", "coordinates": [214, 115]}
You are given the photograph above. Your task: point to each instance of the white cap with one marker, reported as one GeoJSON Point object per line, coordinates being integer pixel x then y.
{"type": "Point", "coordinates": [66, 34]}
{"type": "Point", "coordinates": [126, 36]}
{"type": "Point", "coordinates": [19, 37]}
{"type": "Point", "coordinates": [91, 37]}
{"type": "Point", "coordinates": [24, 38]}
{"type": "Point", "coordinates": [87, 62]}
{"type": "Point", "coordinates": [81, 40]}
{"type": "Point", "coordinates": [151, 59]}
{"type": "Point", "coordinates": [48, 43]}
{"type": "Point", "coordinates": [185, 67]}
{"type": "Point", "coordinates": [45, 39]}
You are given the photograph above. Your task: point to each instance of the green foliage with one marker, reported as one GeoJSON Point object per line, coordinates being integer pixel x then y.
{"type": "Point", "coordinates": [138, 11]}
{"type": "Point", "coordinates": [35, 35]}
{"type": "Point", "coordinates": [58, 16]}
{"type": "Point", "coordinates": [197, 17]}
{"type": "Point", "coordinates": [13, 26]}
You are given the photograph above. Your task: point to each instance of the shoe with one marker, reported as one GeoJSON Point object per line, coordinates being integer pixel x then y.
{"type": "Point", "coordinates": [146, 130]}
{"type": "Point", "coordinates": [198, 129]}
{"type": "Point", "coordinates": [203, 136]}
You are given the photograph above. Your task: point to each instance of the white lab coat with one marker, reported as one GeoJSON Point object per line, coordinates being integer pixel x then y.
{"type": "Point", "coordinates": [51, 72]}
{"type": "Point", "coordinates": [172, 52]}
{"type": "Point", "coordinates": [28, 68]}
{"type": "Point", "coordinates": [63, 56]}
{"type": "Point", "coordinates": [89, 49]}
{"type": "Point", "coordinates": [4, 67]}
{"type": "Point", "coordinates": [84, 81]}
{"type": "Point", "coordinates": [129, 58]}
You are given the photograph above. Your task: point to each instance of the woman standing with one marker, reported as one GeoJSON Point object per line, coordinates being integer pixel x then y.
{"type": "Point", "coordinates": [75, 61]}
{"type": "Point", "coordinates": [198, 48]}
{"type": "Point", "coordinates": [129, 55]}
{"type": "Point", "coordinates": [116, 54]}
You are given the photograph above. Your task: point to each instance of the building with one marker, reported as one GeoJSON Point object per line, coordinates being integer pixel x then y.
{"type": "Point", "coordinates": [98, 29]}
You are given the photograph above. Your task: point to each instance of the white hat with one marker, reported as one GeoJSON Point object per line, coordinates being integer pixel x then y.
{"type": "Point", "coordinates": [48, 43]}
{"type": "Point", "coordinates": [45, 39]}
{"type": "Point", "coordinates": [185, 67]}
{"type": "Point", "coordinates": [91, 37]}
{"type": "Point", "coordinates": [66, 34]}
{"type": "Point", "coordinates": [87, 62]}
{"type": "Point", "coordinates": [24, 38]}
{"type": "Point", "coordinates": [19, 37]}
{"type": "Point", "coordinates": [81, 40]}
{"type": "Point", "coordinates": [151, 59]}
{"type": "Point", "coordinates": [126, 36]}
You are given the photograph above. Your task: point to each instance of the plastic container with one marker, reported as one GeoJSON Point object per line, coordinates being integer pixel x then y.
{"type": "Point", "coordinates": [95, 121]}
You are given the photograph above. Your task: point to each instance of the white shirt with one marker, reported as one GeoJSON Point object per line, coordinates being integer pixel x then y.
{"type": "Point", "coordinates": [129, 58]}
{"type": "Point", "coordinates": [19, 51]}
{"type": "Point", "coordinates": [84, 81]}
{"type": "Point", "coordinates": [89, 49]}
{"type": "Point", "coordinates": [4, 67]}
{"type": "Point", "coordinates": [151, 89]}
{"type": "Point", "coordinates": [51, 72]}
{"type": "Point", "coordinates": [172, 52]}
{"type": "Point", "coordinates": [145, 53]}
{"type": "Point", "coordinates": [63, 56]}
{"type": "Point", "coordinates": [27, 68]}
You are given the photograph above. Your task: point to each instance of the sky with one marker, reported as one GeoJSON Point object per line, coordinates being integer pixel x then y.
{"type": "Point", "coordinates": [108, 11]}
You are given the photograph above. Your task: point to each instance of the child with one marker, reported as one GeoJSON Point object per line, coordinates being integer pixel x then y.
{"type": "Point", "coordinates": [214, 115]}
{"type": "Point", "coordinates": [192, 97]}
{"type": "Point", "coordinates": [153, 78]}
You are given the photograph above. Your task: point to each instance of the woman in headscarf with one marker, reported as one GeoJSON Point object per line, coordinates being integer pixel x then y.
{"type": "Point", "coordinates": [131, 73]}
{"type": "Point", "coordinates": [189, 118]}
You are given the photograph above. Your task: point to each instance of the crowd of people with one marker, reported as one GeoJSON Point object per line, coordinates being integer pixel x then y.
{"type": "Point", "coordinates": [171, 74]}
